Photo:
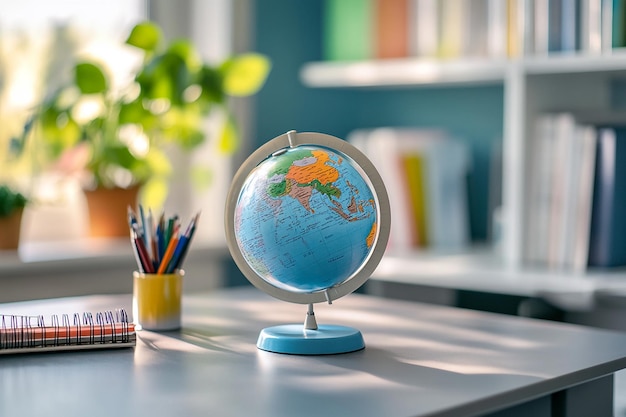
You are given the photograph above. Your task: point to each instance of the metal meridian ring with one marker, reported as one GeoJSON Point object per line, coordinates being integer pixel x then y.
{"type": "Point", "coordinates": [293, 139]}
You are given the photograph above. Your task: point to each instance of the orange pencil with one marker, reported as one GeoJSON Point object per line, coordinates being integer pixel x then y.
{"type": "Point", "coordinates": [169, 251]}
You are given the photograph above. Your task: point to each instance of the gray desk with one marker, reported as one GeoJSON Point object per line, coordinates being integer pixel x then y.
{"type": "Point", "coordinates": [419, 360]}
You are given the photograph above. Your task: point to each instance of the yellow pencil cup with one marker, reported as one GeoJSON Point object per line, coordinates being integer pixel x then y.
{"type": "Point", "coordinates": [157, 300]}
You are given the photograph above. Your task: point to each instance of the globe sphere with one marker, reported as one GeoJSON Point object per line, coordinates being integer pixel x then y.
{"type": "Point", "coordinates": [305, 219]}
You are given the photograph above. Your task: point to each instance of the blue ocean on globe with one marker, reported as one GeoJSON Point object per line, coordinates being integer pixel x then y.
{"type": "Point", "coordinates": [306, 219]}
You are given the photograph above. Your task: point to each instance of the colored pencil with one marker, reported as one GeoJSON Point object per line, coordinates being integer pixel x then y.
{"type": "Point", "coordinates": [159, 246]}
{"type": "Point", "coordinates": [168, 252]}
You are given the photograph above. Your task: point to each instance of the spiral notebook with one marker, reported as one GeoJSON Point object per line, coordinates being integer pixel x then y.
{"type": "Point", "coordinates": [102, 330]}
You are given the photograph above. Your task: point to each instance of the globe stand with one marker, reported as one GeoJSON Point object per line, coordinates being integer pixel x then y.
{"type": "Point", "coordinates": [310, 339]}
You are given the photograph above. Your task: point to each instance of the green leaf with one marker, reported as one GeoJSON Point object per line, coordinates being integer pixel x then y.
{"type": "Point", "coordinates": [191, 138]}
{"type": "Point", "coordinates": [166, 76]}
{"type": "Point", "coordinates": [211, 82]}
{"type": "Point", "coordinates": [183, 127]}
{"type": "Point", "coordinates": [10, 200]}
{"type": "Point", "coordinates": [245, 74]}
{"type": "Point", "coordinates": [90, 78]}
{"type": "Point", "coordinates": [184, 49]}
{"type": "Point", "coordinates": [228, 140]}
{"type": "Point", "coordinates": [146, 36]}
{"type": "Point", "coordinates": [134, 112]}
{"type": "Point", "coordinates": [59, 131]}
{"type": "Point", "coordinates": [119, 155]}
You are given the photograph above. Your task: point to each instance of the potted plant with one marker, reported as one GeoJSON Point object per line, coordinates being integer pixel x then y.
{"type": "Point", "coordinates": [12, 205]}
{"type": "Point", "coordinates": [120, 137]}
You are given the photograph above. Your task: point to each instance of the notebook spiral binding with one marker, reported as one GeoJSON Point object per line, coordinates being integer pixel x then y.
{"type": "Point", "coordinates": [31, 333]}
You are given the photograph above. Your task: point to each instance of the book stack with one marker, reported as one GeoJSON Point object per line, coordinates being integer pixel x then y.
{"type": "Point", "coordinates": [425, 172]}
{"type": "Point", "coordinates": [576, 193]}
{"type": "Point", "coordinates": [444, 29]}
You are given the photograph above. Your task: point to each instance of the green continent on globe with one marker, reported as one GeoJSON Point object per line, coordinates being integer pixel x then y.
{"type": "Point", "coordinates": [303, 171]}
{"type": "Point", "coordinates": [306, 219]}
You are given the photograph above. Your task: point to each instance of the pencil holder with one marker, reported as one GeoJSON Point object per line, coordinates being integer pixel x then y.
{"type": "Point", "coordinates": [157, 300]}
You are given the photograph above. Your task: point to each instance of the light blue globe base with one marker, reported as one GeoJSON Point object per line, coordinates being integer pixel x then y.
{"type": "Point", "coordinates": [296, 340]}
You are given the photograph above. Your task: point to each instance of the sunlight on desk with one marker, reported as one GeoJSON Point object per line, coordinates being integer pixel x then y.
{"type": "Point", "coordinates": [419, 360]}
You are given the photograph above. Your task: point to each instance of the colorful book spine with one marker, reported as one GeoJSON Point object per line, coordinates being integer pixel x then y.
{"type": "Point", "coordinates": [452, 29]}
{"type": "Point", "coordinates": [415, 188]}
{"type": "Point", "coordinates": [391, 32]}
{"type": "Point", "coordinates": [348, 30]}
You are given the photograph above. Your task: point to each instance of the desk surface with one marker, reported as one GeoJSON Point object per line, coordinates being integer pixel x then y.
{"type": "Point", "coordinates": [419, 360]}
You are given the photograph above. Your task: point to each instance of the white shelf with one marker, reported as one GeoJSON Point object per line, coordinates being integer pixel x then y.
{"type": "Point", "coordinates": [403, 72]}
{"type": "Point", "coordinates": [432, 72]}
{"type": "Point", "coordinates": [576, 63]}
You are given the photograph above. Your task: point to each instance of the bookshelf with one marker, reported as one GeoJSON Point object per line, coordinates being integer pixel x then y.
{"type": "Point", "coordinates": [492, 96]}
{"type": "Point", "coordinates": [532, 85]}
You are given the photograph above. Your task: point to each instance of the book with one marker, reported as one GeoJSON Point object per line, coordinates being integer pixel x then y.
{"type": "Point", "coordinates": [31, 334]}
{"type": "Point", "coordinates": [541, 26]}
{"type": "Point", "coordinates": [527, 26]}
{"type": "Point", "coordinates": [587, 148]}
{"type": "Point", "coordinates": [607, 25]}
{"type": "Point", "coordinates": [415, 189]}
{"type": "Point", "coordinates": [555, 25]}
{"type": "Point", "coordinates": [591, 26]}
{"type": "Point", "coordinates": [448, 163]}
{"type": "Point", "coordinates": [347, 31]}
{"type": "Point", "coordinates": [476, 36]}
{"type": "Point", "coordinates": [514, 24]}
{"type": "Point", "coordinates": [453, 18]}
{"type": "Point", "coordinates": [618, 29]}
{"type": "Point", "coordinates": [391, 29]}
{"type": "Point", "coordinates": [425, 28]}
{"type": "Point", "coordinates": [511, 26]}
{"type": "Point", "coordinates": [607, 241]}
{"type": "Point", "coordinates": [570, 15]}
{"type": "Point", "coordinates": [575, 215]}
{"type": "Point", "coordinates": [539, 202]}
{"type": "Point", "coordinates": [563, 172]}
{"type": "Point", "coordinates": [495, 193]}
{"type": "Point", "coordinates": [497, 42]}
{"type": "Point", "coordinates": [562, 161]}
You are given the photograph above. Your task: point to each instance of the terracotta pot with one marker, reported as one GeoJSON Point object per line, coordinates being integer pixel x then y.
{"type": "Point", "coordinates": [108, 210]}
{"type": "Point", "coordinates": [10, 230]}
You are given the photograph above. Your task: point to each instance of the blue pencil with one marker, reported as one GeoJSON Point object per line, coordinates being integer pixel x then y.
{"type": "Point", "coordinates": [178, 252]}
{"type": "Point", "coordinates": [183, 246]}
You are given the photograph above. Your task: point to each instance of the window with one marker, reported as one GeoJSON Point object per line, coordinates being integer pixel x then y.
{"type": "Point", "coordinates": [38, 40]}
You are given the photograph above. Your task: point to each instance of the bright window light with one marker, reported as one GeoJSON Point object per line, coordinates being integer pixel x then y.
{"type": "Point", "coordinates": [40, 41]}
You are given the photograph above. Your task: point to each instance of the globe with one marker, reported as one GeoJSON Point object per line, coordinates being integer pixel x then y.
{"type": "Point", "coordinates": [306, 219]}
